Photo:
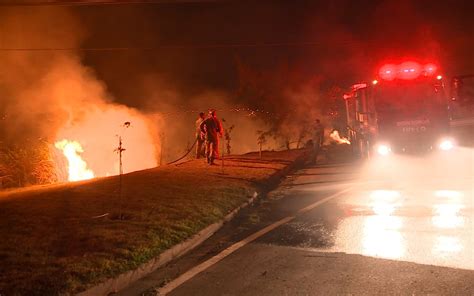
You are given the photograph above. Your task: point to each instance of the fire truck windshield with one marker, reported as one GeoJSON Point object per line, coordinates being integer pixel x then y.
{"type": "Point", "coordinates": [407, 100]}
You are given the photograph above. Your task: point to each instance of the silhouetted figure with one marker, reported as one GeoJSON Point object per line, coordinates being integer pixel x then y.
{"type": "Point", "coordinates": [199, 136]}
{"type": "Point", "coordinates": [318, 140]}
{"type": "Point", "coordinates": [211, 127]}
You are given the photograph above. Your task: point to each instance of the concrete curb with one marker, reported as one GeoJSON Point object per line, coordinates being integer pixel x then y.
{"type": "Point", "coordinates": [125, 279]}
{"type": "Point", "coordinates": [122, 281]}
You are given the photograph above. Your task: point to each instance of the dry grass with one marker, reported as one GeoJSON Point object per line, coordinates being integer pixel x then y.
{"type": "Point", "coordinates": [54, 239]}
{"type": "Point", "coordinates": [28, 164]}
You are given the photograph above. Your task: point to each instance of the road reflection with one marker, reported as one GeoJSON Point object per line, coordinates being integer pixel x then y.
{"type": "Point", "coordinates": [381, 234]}
{"type": "Point", "coordinates": [446, 245]}
{"type": "Point", "coordinates": [447, 216]}
{"type": "Point", "coordinates": [428, 227]}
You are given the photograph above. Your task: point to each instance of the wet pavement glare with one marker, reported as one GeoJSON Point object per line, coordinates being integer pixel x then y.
{"type": "Point", "coordinates": [431, 227]}
{"type": "Point", "coordinates": [409, 209]}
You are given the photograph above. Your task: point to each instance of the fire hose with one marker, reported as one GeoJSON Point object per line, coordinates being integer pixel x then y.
{"type": "Point", "coordinates": [187, 152]}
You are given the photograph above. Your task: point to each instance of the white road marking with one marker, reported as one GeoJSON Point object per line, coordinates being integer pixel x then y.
{"type": "Point", "coordinates": [208, 263]}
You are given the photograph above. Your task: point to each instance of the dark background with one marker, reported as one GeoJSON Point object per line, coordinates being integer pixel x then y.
{"type": "Point", "coordinates": [196, 45]}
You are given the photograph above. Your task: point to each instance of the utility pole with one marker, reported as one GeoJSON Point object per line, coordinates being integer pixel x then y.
{"type": "Point", "coordinates": [120, 150]}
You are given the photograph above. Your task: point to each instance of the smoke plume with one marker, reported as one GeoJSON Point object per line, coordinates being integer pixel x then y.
{"type": "Point", "coordinates": [48, 95]}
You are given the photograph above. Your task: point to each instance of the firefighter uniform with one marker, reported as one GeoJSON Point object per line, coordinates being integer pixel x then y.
{"type": "Point", "coordinates": [199, 137]}
{"type": "Point", "coordinates": [212, 129]}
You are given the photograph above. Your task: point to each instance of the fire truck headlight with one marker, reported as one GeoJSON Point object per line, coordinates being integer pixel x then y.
{"type": "Point", "coordinates": [383, 149]}
{"type": "Point", "coordinates": [446, 144]}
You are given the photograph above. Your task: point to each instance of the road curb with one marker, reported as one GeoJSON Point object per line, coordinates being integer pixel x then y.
{"type": "Point", "coordinates": [125, 279]}
{"type": "Point", "coordinates": [114, 285]}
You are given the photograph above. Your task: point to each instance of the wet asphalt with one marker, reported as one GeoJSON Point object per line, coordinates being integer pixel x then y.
{"type": "Point", "coordinates": [404, 226]}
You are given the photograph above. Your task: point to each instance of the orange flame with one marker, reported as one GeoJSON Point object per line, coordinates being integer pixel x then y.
{"type": "Point", "coordinates": [100, 127]}
{"type": "Point", "coordinates": [77, 167]}
{"type": "Point", "coordinates": [337, 138]}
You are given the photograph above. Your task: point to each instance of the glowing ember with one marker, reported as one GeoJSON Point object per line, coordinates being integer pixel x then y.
{"type": "Point", "coordinates": [337, 138]}
{"type": "Point", "coordinates": [77, 167]}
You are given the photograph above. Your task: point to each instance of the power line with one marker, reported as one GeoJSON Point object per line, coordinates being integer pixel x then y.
{"type": "Point", "coordinates": [352, 44]}
{"type": "Point", "coordinates": [101, 2]}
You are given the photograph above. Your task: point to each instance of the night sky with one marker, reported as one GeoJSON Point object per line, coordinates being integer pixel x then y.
{"type": "Point", "coordinates": [194, 46]}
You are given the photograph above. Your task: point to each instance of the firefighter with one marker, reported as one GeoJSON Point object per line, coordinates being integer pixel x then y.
{"type": "Point", "coordinates": [199, 136]}
{"type": "Point", "coordinates": [211, 127]}
{"type": "Point", "coordinates": [318, 140]}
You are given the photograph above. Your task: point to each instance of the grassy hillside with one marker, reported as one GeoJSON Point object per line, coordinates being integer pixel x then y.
{"type": "Point", "coordinates": [64, 238]}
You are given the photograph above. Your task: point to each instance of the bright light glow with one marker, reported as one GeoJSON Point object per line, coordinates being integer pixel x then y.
{"type": "Point", "coordinates": [383, 150]}
{"type": "Point", "coordinates": [409, 70]}
{"type": "Point", "coordinates": [388, 72]}
{"type": "Point", "coordinates": [447, 216]}
{"type": "Point", "coordinates": [382, 237]}
{"type": "Point", "coordinates": [439, 77]}
{"type": "Point", "coordinates": [451, 194]}
{"type": "Point", "coordinates": [386, 195]}
{"type": "Point", "coordinates": [77, 167]}
{"type": "Point", "coordinates": [430, 69]}
{"type": "Point", "coordinates": [383, 201]}
{"type": "Point", "coordinates": [446, 145]}
{"type": "Point", "coordinates": [383, 209]}
{"type": "Point", "coordinates": [96, 131]}
{"type": "Point", "coordinates": [338, 139]}
{"type": "Point", "coordinates": [374, 82]}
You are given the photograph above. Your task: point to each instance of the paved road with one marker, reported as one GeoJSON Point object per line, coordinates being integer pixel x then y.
{"type": "Point", "coordinates": [398, 225]}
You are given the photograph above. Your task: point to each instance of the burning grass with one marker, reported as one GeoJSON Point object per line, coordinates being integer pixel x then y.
{"type": "Point", "coordinates": [27, 164]}
{"type": "Point", "coordinates": [64, 238]}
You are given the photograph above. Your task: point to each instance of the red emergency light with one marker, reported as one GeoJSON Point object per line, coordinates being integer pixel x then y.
{"type": "Point", "coordinates": [409, 70]}
{"type": "Point", "coordinates": [388, 72]}
{"type": "Point", "coordinates": [406, 71]}
{"type": "Point", "coordinates": [430, 69]}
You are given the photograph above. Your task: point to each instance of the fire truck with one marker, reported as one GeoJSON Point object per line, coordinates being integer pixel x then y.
{"type": "Point", "coordinates": [408, 108]}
